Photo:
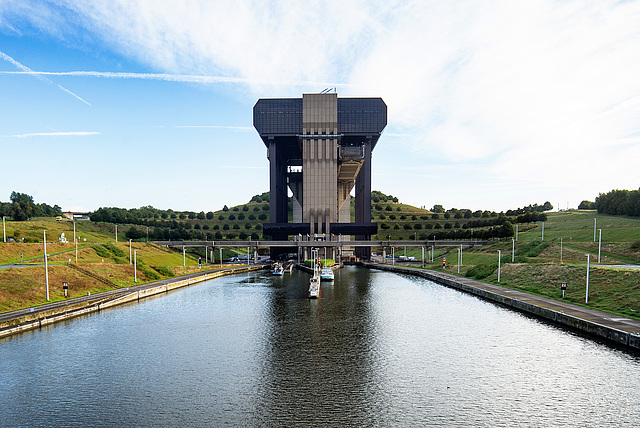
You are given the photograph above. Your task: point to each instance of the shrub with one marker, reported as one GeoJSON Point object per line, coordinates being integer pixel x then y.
{"type": "Point", "coordinates": [635, 246]}
{"type": "Point", "coordinates": [163, 270]}
{"type": "Point", "coordinates": [115, 250]}
{"type": "Point", "coordinates": [149, 273]}
{"type": "Point", "coordinates": [101, 251]}
{"type": "Point", "coordinates": [481, 271]}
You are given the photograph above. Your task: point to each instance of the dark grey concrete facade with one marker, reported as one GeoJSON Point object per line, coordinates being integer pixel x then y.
{"type": "Point", "coordinates": [319, 148]}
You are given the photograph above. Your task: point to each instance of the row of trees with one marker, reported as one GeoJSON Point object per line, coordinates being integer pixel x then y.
{"type": "Point", "coordinates": [22, 207]}
{"type": "Point", "coordinates": [184, 234]}
{"type": "Point", "coordinates": [615, 202]}
{"type": "Point", "coordinates": [503, 231]}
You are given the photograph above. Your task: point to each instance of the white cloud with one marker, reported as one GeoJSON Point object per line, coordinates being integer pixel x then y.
{"type": "Point", "coordinates": [540, 95]}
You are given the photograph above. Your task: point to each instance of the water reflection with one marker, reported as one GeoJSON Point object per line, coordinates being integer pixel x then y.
{"type": "Point", "coordinates": [377, 349]}
{"type": "Point", "coordinates": [318, 365]}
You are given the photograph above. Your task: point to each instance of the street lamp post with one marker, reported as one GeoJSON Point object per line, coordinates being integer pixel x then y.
{"type": "Point", "coordinates": [116, 233]}
{"type": "Point", "coordinates": [459, 258]}
{"type": "Point", "coordinates": [129, 251]}
{"type": "Point", "coordinates": [599, 244]}
{"type": "Point", "coordinates": [4, 232]}
{"type": "Point", "coordinates": [184, 261]}
{"type": "Point", "coordinates": [513, 250]}
{"type": "Point", "coordinates": [499, 257]}
{"type": "Point", "coordinates": [46, 271]}
{"type": "Point", "coordinates": [135, 266]}
{"type": "Point", "coordinates": [560, 250]}
{"type": "Point", "coordinates": [75, 241]}
{"type": "Point", "coordinates": [595, 222]}
{"type": "Point", "coordinates": [586, 300]}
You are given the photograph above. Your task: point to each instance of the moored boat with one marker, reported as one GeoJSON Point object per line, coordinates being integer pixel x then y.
{"type": "Point", "coordinates": [278, 269]}
{"type": "Point", "coordinates": [326, 274]}
{"type": "Point", "coordinates": [314, 287]}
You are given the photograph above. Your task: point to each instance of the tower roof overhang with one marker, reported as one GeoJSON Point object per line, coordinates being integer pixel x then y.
{"type": "Point", "coordinates": [358, 118]}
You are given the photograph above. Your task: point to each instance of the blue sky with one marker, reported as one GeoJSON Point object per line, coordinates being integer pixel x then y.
{"type": "Point", "coordinates": [492, 105]}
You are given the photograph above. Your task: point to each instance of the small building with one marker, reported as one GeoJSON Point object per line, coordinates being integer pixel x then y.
{"type": "Point", "coordinates": [77, 216]}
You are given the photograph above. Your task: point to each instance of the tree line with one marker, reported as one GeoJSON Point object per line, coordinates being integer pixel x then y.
{"type": "Point", "coordinates": [22, 207]}
{"type": "Point", "coordinates": [615, 202]}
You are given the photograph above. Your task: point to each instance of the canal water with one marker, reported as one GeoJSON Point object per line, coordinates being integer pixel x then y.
{"type": "Point", "coordinates": [377, 349]}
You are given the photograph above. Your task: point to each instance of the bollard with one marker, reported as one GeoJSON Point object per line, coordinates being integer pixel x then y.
{"type": "Point", "coordinates": [65, 287]}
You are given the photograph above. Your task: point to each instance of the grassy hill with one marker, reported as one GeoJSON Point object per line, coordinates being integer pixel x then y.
{"type": "Point", "coordinates": [102, 264]}
{"type": "Point", "coordinates": [537, 268]}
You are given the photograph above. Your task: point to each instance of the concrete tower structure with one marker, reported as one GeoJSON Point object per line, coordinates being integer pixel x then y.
{"type": "Point", "coordinates": [320, 147]}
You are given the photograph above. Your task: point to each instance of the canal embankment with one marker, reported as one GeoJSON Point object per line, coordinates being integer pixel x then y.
{"type": "Point", "coordinates": [18, 321]}
{"type": "Point", "coordinates": [611, 328]}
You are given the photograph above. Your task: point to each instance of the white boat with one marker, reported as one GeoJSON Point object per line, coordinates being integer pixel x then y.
{"type": "Point", "coordinates": [314, 282]}
{"type": "Point", "coordinates": [278, 269]}
{"type": "Point", "coordinates": [314, 287]}
{"type": "Point", "coordinates": [326, 274]}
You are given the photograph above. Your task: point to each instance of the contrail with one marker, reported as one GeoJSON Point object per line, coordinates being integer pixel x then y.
{"type": "Point", "coordinates": [184, 78]}
{"type": "Point", "coordinates": [238, 128]}
{"type": "Point", "coordinates": [53, 134]}
{"type": "Point", "coordinates": [27, 70]}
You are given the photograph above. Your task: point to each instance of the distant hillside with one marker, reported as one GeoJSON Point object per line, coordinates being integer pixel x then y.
{"type": "Point", "coordinates": [395, 220]}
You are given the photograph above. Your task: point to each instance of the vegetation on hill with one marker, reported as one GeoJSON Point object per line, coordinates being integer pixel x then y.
{"type": "Point", "coordinates": [615, 202]}
{"type": "Point", "coordinates": [536, 267]}
{"type": "Point", "coordinates": [22, 207]}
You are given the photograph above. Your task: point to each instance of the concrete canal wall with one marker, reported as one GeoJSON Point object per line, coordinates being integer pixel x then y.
{"type": "Point", "coordinates": [44, 317]}
{"type": "Point", "coordinates": [574, 317]}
